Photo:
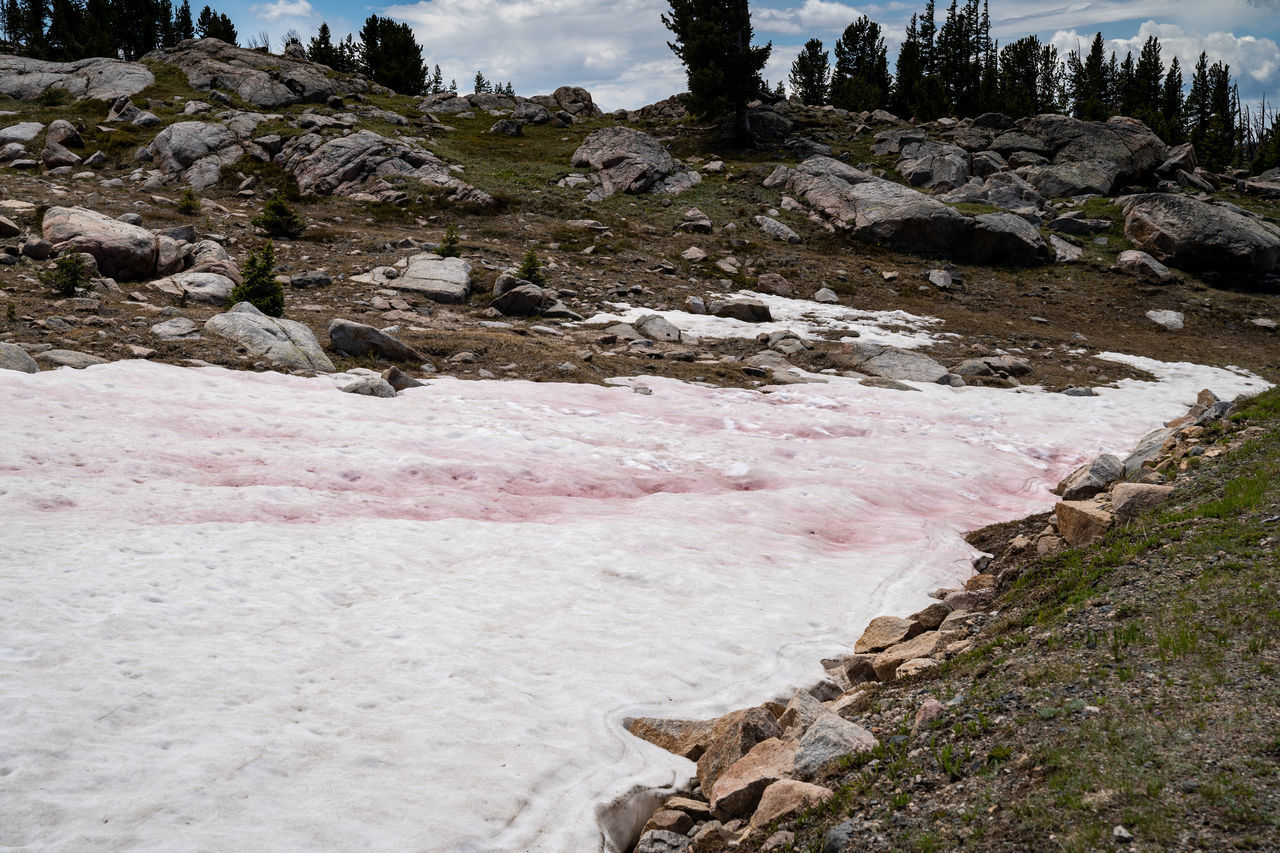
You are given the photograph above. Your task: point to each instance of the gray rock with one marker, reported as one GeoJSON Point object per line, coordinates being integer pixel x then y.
{"type": "Point", "coordinates": [1146, 450]}
{"type": "Point", "coordinates": [1064, 252]}
{"type": "Point", "coordinates": [261, 79]}
{"type": "Point", "coordinates": [657, 328]}
{"type": "Point", "coordinates": [69, 358]}
{"type": "Point", "coordinates": [1143, 266]}
{"type": "Point", "coordinates": [1172, 321]}
{"type": "Point", "coordinates": [37, 249]}
{"type": "Point", "coordinates": [531, 113]}
{"type": "Point", "coordinates": [746, 310]}
{"type": "Point", "coordinates": [1071, 179]}
{"type": "Point", "coordinates": [508, 127]}
{"type": "Point", "coordinates": [520, 300]}
{"type": "Point", "coordinates": [285, 344]}
{"type": "Point", "coordinates": [178, 327]}
{"type": "Point", "coordinates": [573, 100]}
{"type": "Point", "coordinates": [98, 78]}
{"type": "Point", "coordinates": [313, 278]}
{"type": "Point", "coordinates": [662, 841]}
{"type": "Point", "coordinates": [55, 156]}
{"type": "Point", "coordinates": [932, 164]}
{"type": "Point", "coordinates": [370, 386]}
{"type": "Point", "coordinates": [446, 280]}
{"type": "Point", "coordinates": [777, 230]}
{"type": "Point", "coordinates": [1091, 478]}
{"type": "Point", "coordinates": [839, 837]}
{"type": "Point", "coordinates": [181, 145]}
{"type": "Point", "coordinates": [1194, 235]}
{"type": "Point", "coordinates": [829, 739]}
{"type": "Point", "coordinates": [21, 132]}
{"type": "Point", "coordinates": [209, 288]}
{"type": "Point", "coordinates": [14, 357]}
{"type": "Point", "coordinates": [1007, 240]}
{"type": "Point", "coordinates": [892, 363]}
{"type": "Point", "coordinates": [360, 164]}
{"type": "Point", "coordinates": [827, 296]}
{"type": "Point", "coordinates": [630, 161]}
{"type": "Point", "coordinates": [122, 251]}
{"type": "Point", "coordinates": [357, 339]}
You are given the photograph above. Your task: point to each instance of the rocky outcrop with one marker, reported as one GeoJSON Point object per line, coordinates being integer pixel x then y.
{"type": "Point", "coordinates": [630, 161]}
{"type": "Point", "coordinates": [195, 150]}
{"type": "Point", "coordinates": [366, 166]}
{"type": "Point", "coordinates": [261, 79]}
{"type": "Point", "coordinates": [1084, 156]}
{"type": "Point", "coordinates": [573, 100]}
{"type": "Point", "coordinates": [879, 211]}
{"type": "Point", "coordinates": [446, 280]}
{"type": "Point", "coordinates": [122, 251]}
{"type": "Point", "coordinates": [14, 357]}
{"type": "Point", "coordinates": [284, 344]}
{"type": "Point", "coordinates": [99, 79]}
{"type": "Point", "coordinates": [1195, 235]}
{"type": "Point", "coordinates": [891, 363]}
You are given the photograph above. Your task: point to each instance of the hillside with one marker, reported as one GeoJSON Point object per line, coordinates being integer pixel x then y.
{"type": "Point", "coordinates": [492, 238]}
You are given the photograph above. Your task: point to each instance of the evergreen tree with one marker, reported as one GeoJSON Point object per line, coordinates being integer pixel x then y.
{"type": "Point", "coordinates": [32, 34]}
{"type": "Point", "coordinates": [910, 70]}
{"type": "Point", "coordinates": [481, 85]}
{"type": "Point", "coordinates": [713, 40]}
{"type": "Point", "coordinates": [164, 20]}
{"type": "Point", "coordinates": [321, 48]}
{"type": "Point", "coordinates": [861, 80]}
{"type": "Point", "coordinates": [183, 27]}
{"type": "Point", "coordinates": [436, 85]}
{"type": "Point", "coordinates": [214, 25]}
{"type": "Point", "coordinates": [67, 29]}
{"type": "Point", "coordinates": [811, 73]}
{"type": "Point", "coordinates": [1172, 121]}
{"type": "Point", "coordinates": [1090, 89]}
{"type": "Point", "coordinates": [392, 56]}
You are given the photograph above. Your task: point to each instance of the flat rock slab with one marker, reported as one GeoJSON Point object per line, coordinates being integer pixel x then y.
{"type": "Point", "coordinates": [69, 358]}
{"type": "Point", "coordinates": [178, 327]}
{"type": "Point", "coordinates": [891, 363]}
{"type": "Point", "coordinates": [1130, 499]}
{"type": "Point", "coordinates": [883, 632]}
{"type": "Point", "coordinates": [285, 344]}
{"type": "Point", "coordinates": [446, 280]}
{"type": "Point", "coordinates": [357, 339]}
{"type": "Point", "coordinates": [1091, 478]}
{"type": "Point", "coordinates": [922, 645]}
{"type": "Point", "coordinates": [686, 738]}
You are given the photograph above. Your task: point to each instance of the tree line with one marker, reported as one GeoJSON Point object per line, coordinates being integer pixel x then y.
{"type": "Point", "coordinates": [385, 51]}
{"type": "Point", "coordinates": [955, 68]}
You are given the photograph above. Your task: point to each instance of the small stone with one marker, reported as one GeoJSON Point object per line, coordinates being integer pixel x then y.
{"type": "Point", "coordinates": [929, 712]}
{"type": "Point", "coordinates": [827, 742]}
{"type": "Point", "coordinates": [826, 296]}
{"type": "Point", "coordinates": [670, 820]}
{"type": "Point", "coordinates": [1173, 321]}
{"type": "Point", "coordinates": [1121, 834]}
{"type": "Point", "coordinates": [371, 386]}
{"type": "Point", "coordinates": [693, 254]}
{"type": "Point", "coordinates": [787, 798]}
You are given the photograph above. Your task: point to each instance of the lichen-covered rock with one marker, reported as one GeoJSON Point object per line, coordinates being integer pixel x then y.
{"type": "Point", "coordinates": [99, 78]}
{"type": "Point", "coordinates": [1195, 235]}
{"type": "Point", "coordinates": [631, 161]}
{"type": "Point", "coordinates": [285, 344]}
{"type": "Point", "coordinates": [366, 164]}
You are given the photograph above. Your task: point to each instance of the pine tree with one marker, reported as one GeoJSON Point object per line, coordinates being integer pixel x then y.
{"type": "Point", "coordinates": [321, 48]}
{"type": "Point", "coordinates": [436, 86]}
{"type": "Point", "coordinates": [861, 79]}
{"type": "Point", "coordinates": [183, 27]}
{"type": "Point", "coordinates": [67, 28]}
{"type": "Point", "coordinates": [392, 56]}
{"type": "Point", "coordinates": [481, 84]}
{"type": "Point", "coordinates": [1173, 122]}
{"type": "Point", "coordinates": [1090, 89]}
{"type": "Point", "coordinates": [713, 40]}
{"type": "Point", "coordinates": [910, 70]}
{"type": "Point", "coordinates": [811, 73]}
{"type": "Point", "coordinates": [258, 284]}
{"type": "Point", "coordinates": [214, 25]}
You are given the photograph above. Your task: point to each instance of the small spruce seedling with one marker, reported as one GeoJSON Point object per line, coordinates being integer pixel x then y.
{"type": "Point", "coordinates": [258, 284]}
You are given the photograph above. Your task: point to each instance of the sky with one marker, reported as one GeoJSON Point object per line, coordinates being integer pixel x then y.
{"type": "Point", "coordinates": [617, 49]}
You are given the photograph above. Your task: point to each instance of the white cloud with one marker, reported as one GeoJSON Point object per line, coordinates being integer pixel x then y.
{"type": "Point", "coordinates": [813, 18]}
{"type": "Point", "coordinates": [616, 49]}
{"type": "Point", "coordinates": [282, 9]}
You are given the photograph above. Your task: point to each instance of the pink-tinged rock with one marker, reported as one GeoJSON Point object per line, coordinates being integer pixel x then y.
{"type": "Point", "coordinates": [1130, 499]}
{"type": "Point", "coordinates": [930, 711]}
{"type": "Point", "coordinates": [686, 738]}
{"type": "Point", "coordinates": [884, 631]}
{"type": "Point", "coordinates": [732, 737]}
{"type": "Point", "coordinates": [887, 662]}
{"type": "Point", "coordinates": [738, 789]}
{"type": "Point", "coordinates": [787, 798]}
{"type": "Point", "coordinates": [1081, 523]}
{"type": "Point", "coordinates": [669, 820]}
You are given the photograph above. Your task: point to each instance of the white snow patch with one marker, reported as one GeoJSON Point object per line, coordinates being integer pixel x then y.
{"type": "Point", "coordinates": [807, 319]}
{"type": "Point", "coordinates": [249, 611]}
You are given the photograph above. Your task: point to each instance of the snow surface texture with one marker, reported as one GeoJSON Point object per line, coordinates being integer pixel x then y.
{"type": "Point", "coordinates": [247, 611]}
{"type": "Point", "coordinates": [805, 318]}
